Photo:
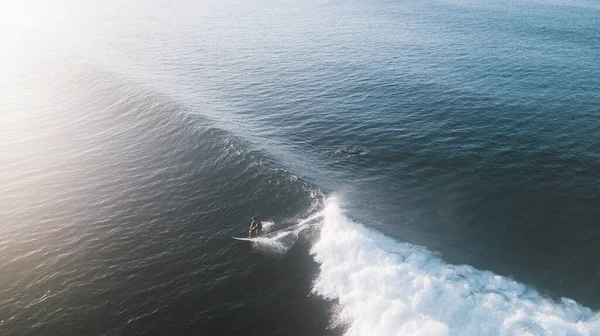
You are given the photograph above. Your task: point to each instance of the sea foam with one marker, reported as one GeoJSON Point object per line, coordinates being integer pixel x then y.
{"type": "Point", "coordinates": [383, 287]}
{"type": "Point", "coordinates": [277, 243]}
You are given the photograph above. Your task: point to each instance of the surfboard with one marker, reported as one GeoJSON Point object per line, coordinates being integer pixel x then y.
{"type": "Point", "coordinates": [244, 239]}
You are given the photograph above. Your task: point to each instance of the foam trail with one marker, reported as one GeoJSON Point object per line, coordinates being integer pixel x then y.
{"type": "Point", "coordinates": [280, 241]}
{"type": "Point", "coordinates": [384, 287]}
{"type": "Point", "coordinates": [271, 245]}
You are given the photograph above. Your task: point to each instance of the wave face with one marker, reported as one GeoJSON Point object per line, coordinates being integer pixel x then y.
{"type": "Point", "coordinates": [117, 205]}
{"type": "Point", "coordinates": [384, 287]}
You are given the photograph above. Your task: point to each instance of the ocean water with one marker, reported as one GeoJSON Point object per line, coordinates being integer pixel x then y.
{"type": "Point", "coordinates": [420, 167]}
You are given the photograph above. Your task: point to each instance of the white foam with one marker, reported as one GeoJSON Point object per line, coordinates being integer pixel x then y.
{"type": "Point", "coordinates": [384, 287]}
{"type": "Point", "coordinates": [280, 241]}
{"type": "Point", "coordinates": [267, 225]}
{"type": "Point", "coordinates": [271, 245]}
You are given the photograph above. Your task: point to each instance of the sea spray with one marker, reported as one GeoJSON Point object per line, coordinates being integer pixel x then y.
{"type": "Point", "coordinates": [277, 243]}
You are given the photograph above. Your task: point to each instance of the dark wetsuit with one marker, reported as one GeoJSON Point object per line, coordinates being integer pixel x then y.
{"type": "Point", "coordinates": [255, 228]}
{"type": "Point", "coordinates": [258, 227]}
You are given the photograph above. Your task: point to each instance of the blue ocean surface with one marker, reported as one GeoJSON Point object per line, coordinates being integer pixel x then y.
{"type": "Point", "coordinates": [419, 167]}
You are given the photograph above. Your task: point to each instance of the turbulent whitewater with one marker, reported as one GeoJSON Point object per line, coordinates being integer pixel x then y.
{"type": "Point", "coordinates": [384, 287]}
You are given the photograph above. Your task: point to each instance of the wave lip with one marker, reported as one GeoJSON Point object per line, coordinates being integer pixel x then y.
{"type": "Point", "coordinates": [384, 287]}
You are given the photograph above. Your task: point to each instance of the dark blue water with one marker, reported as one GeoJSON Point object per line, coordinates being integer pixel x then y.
{"type": "Point", "coordinates": [421, 168]}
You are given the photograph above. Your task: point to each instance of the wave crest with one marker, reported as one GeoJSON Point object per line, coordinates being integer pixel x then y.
{"type": "Point", "coordinates": [384, 287]}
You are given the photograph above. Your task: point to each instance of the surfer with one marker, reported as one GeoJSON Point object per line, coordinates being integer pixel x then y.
{"type": "Point", "coordinates": [255, 227]}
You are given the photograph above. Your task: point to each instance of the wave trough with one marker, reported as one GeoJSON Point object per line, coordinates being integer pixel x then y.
{"type": "Point", "coordinates": [384, 287]}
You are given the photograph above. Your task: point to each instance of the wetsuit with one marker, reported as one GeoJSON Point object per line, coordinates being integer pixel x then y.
{"type": "Point", "coordinates": [258, 227]}
{"type": "Point", "coordinates": [255, 228]}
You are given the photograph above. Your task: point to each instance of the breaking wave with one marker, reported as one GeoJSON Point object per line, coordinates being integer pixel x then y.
{"type": "Point", "coordinates": [384, 287]}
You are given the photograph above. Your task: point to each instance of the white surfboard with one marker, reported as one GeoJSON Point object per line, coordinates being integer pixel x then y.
{"type": "Point", "coordinates": [244, 239]}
